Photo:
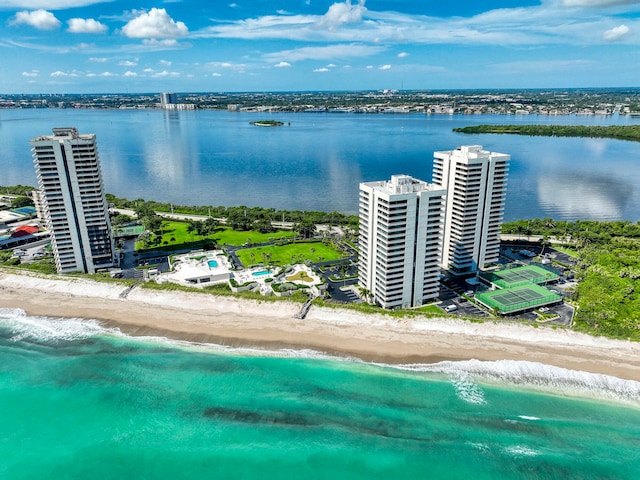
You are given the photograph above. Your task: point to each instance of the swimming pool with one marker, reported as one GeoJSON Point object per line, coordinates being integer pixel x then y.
{"type": "Point", "coordinates": [212, 264]}
{"type": "Point", "coordinates": [261, 273]}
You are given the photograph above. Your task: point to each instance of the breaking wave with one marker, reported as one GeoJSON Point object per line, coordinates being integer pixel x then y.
{"type": "Point", "coordinates": [539, 375]}
{"type": "Point", "coordinates": [466, 376]}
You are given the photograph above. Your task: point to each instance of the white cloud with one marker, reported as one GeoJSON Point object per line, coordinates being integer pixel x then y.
{"type": "Point", "coordinates": [155, 24]}
{"type": "Point", "coordinates": [32, 73]}
{"type": "Point", "coordinates": [283, 64]}
{"type": "Point", "coordinates": [127, 63]}
{"type": "Point", "coordinates": [97, 59]}
{"type": "Point", "coordinates": [164, 43]}
{"type": "Point", "coordinates": [551, 22]}
{"type": "Point", "coordinates": [403, 55]}
{"type": "Point", "coordinates": [103, 74]}
{"type": "Point", "coordinates": [331, 65]}
{"type": "Point", "coordinates": [165, 63]}
{"type": "Point", "coordinates": [323, 69]}
{"type": "Point", "coordinates": [60, 73]}
{"type": "Point", "coordinates": [130, 74]}
{"type": "Point", "coordinates": [50, 4]}
{"type": "Point", "coordinates": [215, 74]}
{"type": "Point", "coordinates": [343, 13]}
{"type": "Point", "coordinates": [384, 67]}
{"type": "Point", "coordinates": [165, 73]}
{"type": "Point", "coordinates": [369, 67]}
{"type": "Point", "coordinates": [40, 19]}
{"type": "Point", "coordinates": [598, 3]}
{"type": "Point", "coordinates": [85, 25]}
{"type": "Point", "coordinates": [228, 65]}
{"type": "Point", "coordinates": [616, 33]}
{"type": "Point", "coordinates": [324, 53]}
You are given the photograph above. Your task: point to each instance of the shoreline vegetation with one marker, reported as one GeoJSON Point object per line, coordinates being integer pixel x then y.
{"type": "Point", "coordinates": [618, 132]}
{"type": "Point", "coordinates": [607, 296]}
{"type": "Point", "coordinates": [267, 123]}
{"type": "Point", "coordinates": [234, 322]}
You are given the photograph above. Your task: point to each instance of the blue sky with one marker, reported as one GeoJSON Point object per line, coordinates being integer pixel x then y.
{"type": "Point", "coordinates": [104, 46]}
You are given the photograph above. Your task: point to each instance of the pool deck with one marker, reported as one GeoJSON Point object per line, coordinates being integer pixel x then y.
{"type": "Point", "coordinates": [193, 269]}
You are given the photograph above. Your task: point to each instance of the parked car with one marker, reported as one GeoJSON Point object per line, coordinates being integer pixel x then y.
{"type": "Point", "coordinates": [469, 293]}
{"type": "Point", "coordinates": [450, 308]}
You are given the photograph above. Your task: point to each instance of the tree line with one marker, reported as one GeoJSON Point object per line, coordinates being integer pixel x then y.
{"type": "Point", "coordinates": [241, 217]}
{"type": "Point", "coordinates": [581, 232]}
{"type": "Point", "coordinates": [620, 132]}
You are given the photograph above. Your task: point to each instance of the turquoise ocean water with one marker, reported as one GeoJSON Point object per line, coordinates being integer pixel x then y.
{"type": "Point", "coordinates": [80, 401]}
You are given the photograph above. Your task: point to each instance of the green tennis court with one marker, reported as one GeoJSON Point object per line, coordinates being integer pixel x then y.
{"type": "Point", "coordinates": [518, 298]}
{"type": "Point", "coordinates": [515, 277]}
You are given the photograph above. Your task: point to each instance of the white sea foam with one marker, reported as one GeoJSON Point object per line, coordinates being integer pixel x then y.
{"type": "Point", "coordinates": [466, 376]}
{"type": "Point", "coordinates": [466, 388]}
{"type": "Point", "coordinates": [527, 417]}
{"type": "Point", "coordinates": [24, 327]}
{"type": "Point", "coordinates": [539, 375]}
{"type": "Point", "coordinates": [520, 451]}
{"type": "Point", "coordinates": [48, 329]}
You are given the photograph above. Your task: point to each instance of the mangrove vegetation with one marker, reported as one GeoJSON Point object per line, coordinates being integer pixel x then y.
{"type": "Point", "coordinates": [620, 132]}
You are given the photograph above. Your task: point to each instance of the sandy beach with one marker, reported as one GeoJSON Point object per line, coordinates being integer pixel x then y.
{"type": "Point", "coordinates": [240, 322]}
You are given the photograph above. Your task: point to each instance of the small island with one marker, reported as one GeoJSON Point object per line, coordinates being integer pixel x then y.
{"type": "Point", "coordinates": [620, 132]}
{"type": "Point", "coordinates": [267, 123]}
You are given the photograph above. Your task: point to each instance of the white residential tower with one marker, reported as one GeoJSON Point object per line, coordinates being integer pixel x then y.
{"type": "Point", "coordinates": [476, 183]}
{"type": "Point", "coordinates": [73, 200]}
{"type": "Point", "coordinates": [401, 222]}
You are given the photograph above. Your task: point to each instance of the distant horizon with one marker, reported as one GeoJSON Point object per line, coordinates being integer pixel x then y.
{"type": "Point", "coordinates": [85, 46]}
{"type": "Point", "coordinates": [418, 90]}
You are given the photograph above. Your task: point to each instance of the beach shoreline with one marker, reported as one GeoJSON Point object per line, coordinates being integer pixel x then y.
{"type": "Point", "coordinates": [236, 322]}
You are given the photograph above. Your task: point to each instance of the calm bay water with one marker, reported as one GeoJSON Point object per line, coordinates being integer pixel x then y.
{"type": "Point", "coordinates": [80, 401]}
{"type": "Point", "coordinates": [316, 161]}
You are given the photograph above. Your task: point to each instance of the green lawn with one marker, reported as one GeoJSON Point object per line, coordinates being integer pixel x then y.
{"type": "Point", "coordinates": [175, 233]}
{"type": "Point", "coordinates": [290, 253]}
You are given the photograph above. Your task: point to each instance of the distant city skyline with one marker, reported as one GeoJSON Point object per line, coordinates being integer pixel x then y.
{"type": "Point", "coordinates": [105, 46]}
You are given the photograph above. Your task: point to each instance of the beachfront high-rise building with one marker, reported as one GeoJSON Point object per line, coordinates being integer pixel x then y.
{"type": "Point", "coordinates": [73, 200]}
{"type": "Point", "coordinates": [476, 183]}
{"type": "Point", "coordinates": [400, 242]}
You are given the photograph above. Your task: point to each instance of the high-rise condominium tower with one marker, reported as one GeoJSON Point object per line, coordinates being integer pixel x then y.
{"type": "Point", "coordinates": [400, 241]}
{"type": "Point", "coordinates": [476, 183]}
{"type": "Point", "coordinates": [73, 200]}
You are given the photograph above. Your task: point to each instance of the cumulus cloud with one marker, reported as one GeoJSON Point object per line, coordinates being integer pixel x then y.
{"type": "Point", "coordinates": [129, 73]}
{"type": "Point", "coordinates": [165, 63]}
{"type": "Point", "coordinates": [103, 74]}
{"type": "Point", "coordinates": [616, 33]}
{"type": "Point", "coordinates": [60, 73]}
{"type": "Point", "coordinates": [85, 25]}
{"type": "Point", "coordinates": [154, 24]}
{"type": "Point", "coordinates": [127, 63]}
{"type": "Point", "coordinates": [403, 55]}
{"type": "Point", "coordinates": [97, 59]}
{"type": "Point", "coordinates": [321, 70]}
{"type": "Point", "coordinates": [385, 67]}
{"type": "Point", "coordinates": [216, 74]}
{"type": "Point", "coordinates": [165, 73]}
{"type": "Point", "coordinates": [343, 13]}
{"type": "Point", "coordinates": [32, 73]}
{"type": "Point", "coordinates": [283, 64]}
{"type": "Point", "coordinates": [40, 19]}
